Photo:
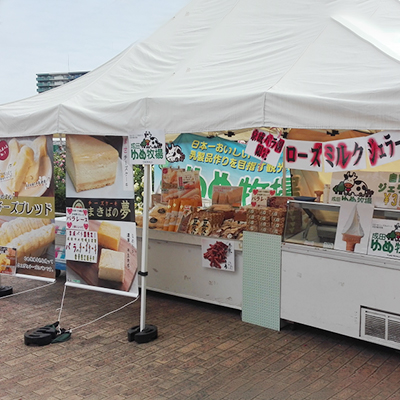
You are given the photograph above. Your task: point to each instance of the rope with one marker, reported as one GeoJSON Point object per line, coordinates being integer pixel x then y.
{"type": "Point", "coordinates": [95, 320]}
{"type": "Point", "coordinates": [105, 315]}
{"type": "Point", "coordinates": [62, 303]}
{"type": "Point", "coordinates": [28, 290]}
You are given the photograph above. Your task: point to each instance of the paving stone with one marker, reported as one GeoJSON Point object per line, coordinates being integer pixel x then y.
{"type": "Point", "coordinates": [203, 352]}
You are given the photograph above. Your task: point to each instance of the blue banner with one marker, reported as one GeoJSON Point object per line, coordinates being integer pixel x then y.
{"type": "Point", "coordinates": [222, 162]}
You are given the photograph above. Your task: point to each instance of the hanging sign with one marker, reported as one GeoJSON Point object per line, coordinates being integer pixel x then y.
{"type": "Point", "coordinates": [265, 146]}
{"type": "Point", "coordinates": [382, 189]}
{"type": "Point", "coordinates": [384, 239]}
{"type": "Point", "coordinates": [303, 155]}
{"type": "Point", "coordinates": [147, 147]}
{"type": "Point", "coordinates": [383, 148]}
{"type": "Point", "coordinates": [344, 155]}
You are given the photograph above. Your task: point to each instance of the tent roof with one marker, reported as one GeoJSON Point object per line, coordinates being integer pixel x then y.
{"type": "Point", "coordinates": [236, 64]}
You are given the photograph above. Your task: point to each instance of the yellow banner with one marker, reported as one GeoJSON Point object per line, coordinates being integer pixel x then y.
{"type": "Point", "coordinates": [34, 207]}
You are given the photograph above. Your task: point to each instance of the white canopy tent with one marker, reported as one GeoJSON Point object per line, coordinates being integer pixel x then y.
{"type": "Point", "coordinates": [234, 64]}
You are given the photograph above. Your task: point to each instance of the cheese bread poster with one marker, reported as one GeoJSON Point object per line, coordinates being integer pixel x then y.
{"type": "Point", "coordinates": [27, 229]}
{"type": "Point", "coordinates": [101, 249]}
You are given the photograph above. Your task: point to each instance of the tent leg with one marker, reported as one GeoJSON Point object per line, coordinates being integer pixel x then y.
{"type": "Point", "coordinates": [144, 333]}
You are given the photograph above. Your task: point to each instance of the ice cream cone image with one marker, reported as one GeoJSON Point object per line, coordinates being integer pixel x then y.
{"type": "Point", "coordinates": [351, 241]}
{"type": "Point", "coordinates": [353, 231]}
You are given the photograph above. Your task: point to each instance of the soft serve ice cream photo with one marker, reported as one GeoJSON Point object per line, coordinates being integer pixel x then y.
{"type": "Point", "coordinates": [353, 231]}
{"type": "Point", "coordinates": [353, 227]}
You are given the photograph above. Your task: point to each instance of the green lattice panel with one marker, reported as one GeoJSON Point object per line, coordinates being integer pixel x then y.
{"type": "Point", "coordinates": [261, 279]}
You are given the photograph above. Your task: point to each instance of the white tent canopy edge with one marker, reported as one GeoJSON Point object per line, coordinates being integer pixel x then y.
{"type": "Point", "coordinates": [235, 64]}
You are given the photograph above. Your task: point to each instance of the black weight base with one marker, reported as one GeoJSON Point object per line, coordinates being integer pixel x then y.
{"type": "Point", "coordinates": [5, 290]}
{"type": "Point", "coordinates": [40, 336]}
{"type": "Point", "coordinates": [148, 334]}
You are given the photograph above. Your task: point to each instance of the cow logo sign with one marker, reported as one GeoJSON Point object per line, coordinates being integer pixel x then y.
{"type": "Point", "coordinates": [351, 188]}
{"type": "Point", "coordinates": [147, 147]}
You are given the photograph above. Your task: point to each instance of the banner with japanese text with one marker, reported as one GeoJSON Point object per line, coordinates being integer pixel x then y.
{"type": "Point", "coordinates": [344, 155]}
{"type": "Point", "coordinates": [303, 155]}
{"type": "Point", "coordinates": [380, 188]}
{"type": "Point", "coordinates": [382, 148]}
{"type": "Point", "coordinates": [101, 249]}
{"type": "Point", "coordinates": [27, 231]}
{"type": "Point", "coordinates": [222, 162]}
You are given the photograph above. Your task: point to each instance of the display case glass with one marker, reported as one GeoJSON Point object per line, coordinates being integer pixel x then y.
{"type": "Point", "coordinates": [314, 224]}
{"type": "Point", "coordinates": [311, 223]}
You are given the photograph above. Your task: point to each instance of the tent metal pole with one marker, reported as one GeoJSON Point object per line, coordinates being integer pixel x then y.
{"type": "Point", "coordinates": [283, 177]}
{"type": "Point", "coordinates": [145, 243]}
{"type": "Point", "coordinates": [144, 333]}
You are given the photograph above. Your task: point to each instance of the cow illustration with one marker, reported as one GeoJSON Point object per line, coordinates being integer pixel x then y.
{"type": "Point", "coordinates": [150, 142]}
{"type": "Point", "coordinates": [352, 186]}
{"type": "Point", "coordinates": [394, 234]}
{"type": "Point", "coordinates": [174, 153]}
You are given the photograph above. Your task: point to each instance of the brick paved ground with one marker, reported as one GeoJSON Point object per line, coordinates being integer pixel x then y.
{"type": "Point", "coordinates": [202, 352]}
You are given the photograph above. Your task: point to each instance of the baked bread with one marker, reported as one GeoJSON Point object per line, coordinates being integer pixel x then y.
{"type": "Point", "coordinates": [91, 163]}
{"type": "Point", "coordinates": [112, 265]}
{"type": "Point", "coordinates": [33, 243]}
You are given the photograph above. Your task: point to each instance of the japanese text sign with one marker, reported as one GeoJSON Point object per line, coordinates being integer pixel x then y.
{"type": "Point", "coordinates": [259, 197]}
{"type": "Point", "coordinates": [344, 155]}
{"type": "Point", "coordinates": [265, 146]}
{"type": "Point", "coordinates": [222, 162]}
{"type": "Point", "coordinates": [127, 173]}
{"type": "Point", "coordinates": [381, 188]}
{"type": "Point", "coordinates": [384, 239]}
{"type": "Point", "coordinates": [148, 147]}
{"type": "Point", "coordinates": [81, 245]}
{"type": "Point", "coordinates": [77, 218]}
{"type": "Point", "coordinates": [382, 148]}
{"type": "Point", "coordinates": [303, 155]}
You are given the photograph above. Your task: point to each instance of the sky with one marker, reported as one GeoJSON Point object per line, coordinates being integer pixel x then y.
{"type": "Point", "coordinates": [44, 36]}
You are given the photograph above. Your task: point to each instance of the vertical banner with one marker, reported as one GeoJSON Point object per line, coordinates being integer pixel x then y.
{"type": "Point", "coordinates": [27, 231]}
{"type": "Point", "coordinates": [101, 248]}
